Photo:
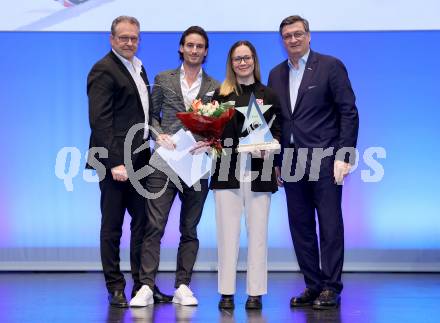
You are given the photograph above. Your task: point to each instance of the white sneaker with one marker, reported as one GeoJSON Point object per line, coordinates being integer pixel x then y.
{"type": "Point", "coordinates": [143, 297]}
{"type": "Point", "coordinates": [184, 296]}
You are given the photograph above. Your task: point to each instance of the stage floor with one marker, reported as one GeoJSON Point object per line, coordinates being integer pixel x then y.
{"type": "Point", "coordinates": [81, 297]}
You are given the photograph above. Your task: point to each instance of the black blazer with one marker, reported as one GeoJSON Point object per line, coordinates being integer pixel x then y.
{"type": "Point", "coordinates": [233, 130]}
{"type": "Point", "coordinates": [114, 107]}
{"type": "Point", "coordinates": [325, 113]}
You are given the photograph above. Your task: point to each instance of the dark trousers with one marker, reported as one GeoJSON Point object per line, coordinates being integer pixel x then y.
{"type": "Point", "coordinates": [304, 197]}
{"type": "Point", "coordinates": [158, 210]}
{"type": "Point", "coordinates": [116, 198]}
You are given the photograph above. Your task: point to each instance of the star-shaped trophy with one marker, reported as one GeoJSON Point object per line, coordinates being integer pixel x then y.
{"type": "Point", "coordinates": [259, 137]}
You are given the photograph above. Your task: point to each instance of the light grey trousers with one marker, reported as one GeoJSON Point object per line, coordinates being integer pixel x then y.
{"type": "Point", "coordinates": [229, 207]}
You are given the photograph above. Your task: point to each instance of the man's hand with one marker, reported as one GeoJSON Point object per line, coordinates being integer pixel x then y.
{"type": "Point", "coordinates": [340, 170]}
{"type": "Point", "coordinates": [280, 181]}
{"type": "Point", "coordinates": [119, 173]}
{"type": "Point", "coordinates": [200, 147]}
{"type": "Point", "coordinates": [165, 141]}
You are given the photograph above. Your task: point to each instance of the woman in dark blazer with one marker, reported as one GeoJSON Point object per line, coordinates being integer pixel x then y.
{"type": "Point", "coordinates": [243, 182]}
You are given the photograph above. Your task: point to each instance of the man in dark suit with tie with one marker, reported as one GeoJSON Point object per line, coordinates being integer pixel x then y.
{"type": "Point", "coordinates": [319, 133]}
{"type": "Point", "coordinates": [117, 88]}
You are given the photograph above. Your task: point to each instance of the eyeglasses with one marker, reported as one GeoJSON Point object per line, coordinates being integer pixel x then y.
{"type": "Point", "coordinates": [237, 59]}
{"type": "Point", "coordinates": [296, 35]}
{"type": "Point", "coordinates": [126, 39]}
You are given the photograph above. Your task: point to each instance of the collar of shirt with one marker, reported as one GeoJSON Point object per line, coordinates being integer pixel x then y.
{"type": "Point", "coordinates": [182, 74]}
{"type": "Point", "coordinates": [302, 61]}
{"type": "Point", "coordinates": [134, 65]}
{"type": "Point", "coordinates": [190, 93]}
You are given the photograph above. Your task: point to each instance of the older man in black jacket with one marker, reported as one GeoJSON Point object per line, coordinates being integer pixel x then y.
{"type": "Point", "coordinates": [117, 88]}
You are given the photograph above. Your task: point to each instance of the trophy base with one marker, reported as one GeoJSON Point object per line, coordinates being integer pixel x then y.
{"type": "Point", "coordinates": [261, 146]}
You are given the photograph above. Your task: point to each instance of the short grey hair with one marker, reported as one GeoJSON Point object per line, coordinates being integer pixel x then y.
{"type": "Point", "coordinates": [293, 19]}
{"type": "Point", "coordinates": [131, 20]}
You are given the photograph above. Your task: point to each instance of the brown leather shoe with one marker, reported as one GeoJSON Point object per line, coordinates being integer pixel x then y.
{"type": "Point", "coordinates": [306, 298]}
{"type": "Point", "coordinates": [327, 299]}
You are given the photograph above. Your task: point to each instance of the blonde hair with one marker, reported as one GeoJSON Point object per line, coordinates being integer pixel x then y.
{"type": "Point", "coordinates": [230, 83]}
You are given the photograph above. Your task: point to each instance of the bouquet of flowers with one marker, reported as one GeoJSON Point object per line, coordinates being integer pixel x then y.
{"type": "Point", "coordinates": [208, 120]}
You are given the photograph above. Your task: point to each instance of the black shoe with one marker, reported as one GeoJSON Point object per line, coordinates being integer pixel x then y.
{"type": "Point", "coordinates": [117, 298]}
{"type": "Point", "coordinates": [327, 299]}
{"type": "Point", "coordinates": [159, 297]}
{"type": "Point", "coordinates": [254, 303]}
{"type": "Point", "coordinates": [226, 302]}
{"type": "Point", "coordinates": [306, 298]}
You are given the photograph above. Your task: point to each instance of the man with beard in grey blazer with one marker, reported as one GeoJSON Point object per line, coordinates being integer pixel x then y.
{"type": "Point", "coordinates": [173, 92]}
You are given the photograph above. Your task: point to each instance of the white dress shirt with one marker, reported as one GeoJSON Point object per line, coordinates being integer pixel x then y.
{"type": "Point", "coordinates": [135, 69]}
{"type": "Point", "coordinates": [190, 92]}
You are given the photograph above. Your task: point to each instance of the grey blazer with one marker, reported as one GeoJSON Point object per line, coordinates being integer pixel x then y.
{"type": "Point", "coordinates": [167, 99]}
